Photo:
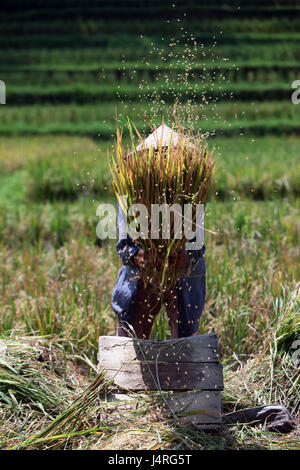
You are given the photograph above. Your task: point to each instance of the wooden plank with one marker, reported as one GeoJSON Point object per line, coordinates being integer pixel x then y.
{"type": "Point", "coordinates": [166, 376]}
{"type": "Point", "coordinates": [201, 348]}
{"type": "Point", "coordinates": [211, 428]}
{"type": "Point", "coordinates": [194, 407]}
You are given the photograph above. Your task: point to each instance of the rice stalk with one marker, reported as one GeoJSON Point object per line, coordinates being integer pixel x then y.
{"type": "Point", "coordinates": [177, 173]}
{"type": "Point", "coordinates": [272, 375]}
{"type": "Point", "coordinates": [65, 425]}
{"type": "Point", "coordinates": [25, 381]}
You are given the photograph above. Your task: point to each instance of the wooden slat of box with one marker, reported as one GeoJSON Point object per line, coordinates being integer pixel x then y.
{"type": "Point", "coordinates": [200, 408]}
{"type": "Point", "coordinates": [165, 376]}
{"type": "Point", "coordinates": [201, 348]}
{"type": "Point", "coordinates": [195, 407]}
{"type": "Point", "coordinates": [181, 364]}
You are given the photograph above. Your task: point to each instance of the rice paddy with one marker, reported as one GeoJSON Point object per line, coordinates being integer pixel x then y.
{"type": "Point", "coordinates": [65, 80]}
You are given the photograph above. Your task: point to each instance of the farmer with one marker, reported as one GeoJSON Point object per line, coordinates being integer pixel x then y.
{"type": "Point", "coordinates": [137, 305]}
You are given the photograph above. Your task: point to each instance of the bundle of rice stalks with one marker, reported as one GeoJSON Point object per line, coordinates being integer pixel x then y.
{"type": "Point", "coordinates": [167, 168]}
{"type": "Point", "coordinates": [74, 421]}
{"type": "Point", "coordinates": [27, 383]}
{"type": "Point", "coordinates": [44, 400]}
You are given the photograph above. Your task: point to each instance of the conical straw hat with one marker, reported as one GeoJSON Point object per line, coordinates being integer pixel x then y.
{"type": "Point", "coordinates": [161, 136]}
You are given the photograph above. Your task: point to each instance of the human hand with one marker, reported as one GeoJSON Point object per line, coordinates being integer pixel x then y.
{"type": "Point", "coordinates": [139, 258]}
{"type": "Point", "coordinates": [181, 259]}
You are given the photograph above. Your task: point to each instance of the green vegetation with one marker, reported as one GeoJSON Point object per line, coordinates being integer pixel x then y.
{"type": "Point", "coordinates": [58, 168]}
{"type": "Point", "coordinates": [283, 49]}
{"type": "Point", "coordinates": [78, 61]}
{"type": "Point", "coordinates": [67, 71]}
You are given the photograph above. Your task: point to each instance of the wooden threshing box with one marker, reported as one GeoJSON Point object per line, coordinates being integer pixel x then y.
{"type": "Point", "coordinates": [186, 370]}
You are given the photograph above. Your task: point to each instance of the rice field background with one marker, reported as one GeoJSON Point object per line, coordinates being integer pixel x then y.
{"type": "Point", "coordinates": [229, 67]}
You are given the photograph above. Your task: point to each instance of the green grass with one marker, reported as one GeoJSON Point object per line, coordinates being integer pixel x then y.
{"type": "Point", "coordinates": [129, 40]}
{"type": "Point", "coordinates": [132, 72]}
{"type": "Point", "coordinates": [282, 50]}
{"type": "Point", "coordinates": [129, 26]}
{"type": "Point", "coordinates": [259, 168]}
{"type": "Point", "coordinates": [54, 168]}
{"type": "Point", "coordinates": [61, 168]}
{"type": "Point", "coordinates": [169, 93]}
{"type": "Point", "coordinates": [257, 128]}
{"type": "Point", "coordinates": [40, 116]}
